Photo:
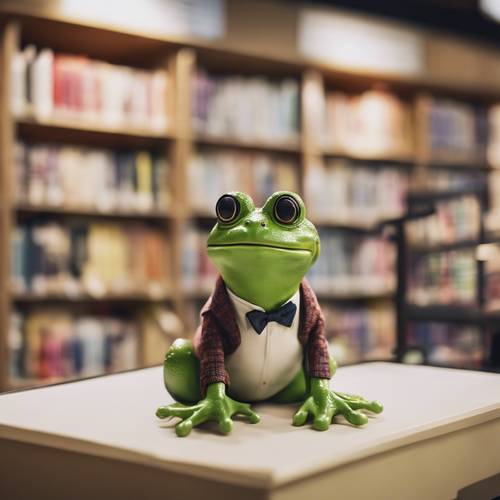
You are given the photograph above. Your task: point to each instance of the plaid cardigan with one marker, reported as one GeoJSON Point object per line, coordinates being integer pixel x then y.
{"type": "Point", "coordinates": [218, 335]}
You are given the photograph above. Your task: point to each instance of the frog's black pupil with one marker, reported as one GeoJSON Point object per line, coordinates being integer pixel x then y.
{"type": "Point", "coordinates": [227, 208]}
{"type": "Point", "coordinates": [286, 210]}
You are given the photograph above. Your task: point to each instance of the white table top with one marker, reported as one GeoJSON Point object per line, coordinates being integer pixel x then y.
{"type": "Point", "coordinates": [114, 417]}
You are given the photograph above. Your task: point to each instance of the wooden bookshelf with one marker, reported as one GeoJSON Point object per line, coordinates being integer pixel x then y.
{"type": "Point", "coordinates": [31, 210]}
{"type": "Point", "coordinates": [180, 57]}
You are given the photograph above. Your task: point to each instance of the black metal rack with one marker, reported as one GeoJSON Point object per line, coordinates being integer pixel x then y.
{"type": "Point", "coordinates": [422, 204]}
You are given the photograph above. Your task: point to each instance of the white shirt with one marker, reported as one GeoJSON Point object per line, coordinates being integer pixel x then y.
{"type": "Point", "coordinates": [266, 363]}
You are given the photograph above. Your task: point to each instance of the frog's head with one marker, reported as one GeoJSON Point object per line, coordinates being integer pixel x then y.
{"type": "Point", "coordinates": [263, 253]}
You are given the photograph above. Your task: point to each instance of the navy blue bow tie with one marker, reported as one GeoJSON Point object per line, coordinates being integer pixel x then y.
{"type": "Point", "coordinates": [283, 315]}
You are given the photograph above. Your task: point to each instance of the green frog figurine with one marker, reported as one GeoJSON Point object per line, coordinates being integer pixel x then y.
{"type": "Point", "coordinates": [262, 332]}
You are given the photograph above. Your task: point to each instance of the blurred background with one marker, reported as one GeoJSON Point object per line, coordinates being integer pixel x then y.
{"type": "Point", "coordinates": [122, 122]}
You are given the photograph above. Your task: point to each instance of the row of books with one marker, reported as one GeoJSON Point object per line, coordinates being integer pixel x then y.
{"type": "Point", "coordinates": [247, 108]}
{"type": "Point", "coordinates": [95, 259]}
{"type": "Point", "coordinates": [340, 191]}
{"type": "Point", "coordinates": [82, 177]}
{"type": "Point", "coordinates": [214, 173]}
{"type": "Point", "coordinates": [456, 131]}
{"type": "Point", "coordinates": [374, 123]}
{"type": "Point", "coordinates": [454, 220]}
{"type": "Point", "coordinates": [443, 278]}
{"type": "Point", "coordinates": [62, 86]}
{"type": "Point", "coordinates": [350, 263]}
{"type": "Point", "coordinates": [360, 332]}
{"type": "Point", "coordinates": [448, 344]}
{"type": "Point", "coordinates": [53, 344]}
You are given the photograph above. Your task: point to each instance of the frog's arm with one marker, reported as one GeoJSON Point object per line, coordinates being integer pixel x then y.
{"type": "Point", "coordinates": [322, 403]}
{"type": "Point", "coordinates": [214, 403]}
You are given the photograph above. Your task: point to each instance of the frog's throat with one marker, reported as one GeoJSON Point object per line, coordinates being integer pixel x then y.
{"type": "Point", "coordinates": [265, 275]}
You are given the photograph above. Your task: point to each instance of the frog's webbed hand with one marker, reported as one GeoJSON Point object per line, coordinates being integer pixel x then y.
{"type": "Point", "coordinates": [323, 404]}
{"type": "Point", "coordinates": [216, 406]}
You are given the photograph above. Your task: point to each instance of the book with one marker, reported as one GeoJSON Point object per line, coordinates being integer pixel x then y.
{"type": "Point", "coordinates": [53, 345]}
{"type": "Point", "coordinates": [246, 108]}
{"type": "Point", "coordinates": [346, 192]}
{"type": "Point", "coordinates": [353, 264]}
{"type": "Point", "coordinates": [448, 344]}
{"type": "Point", "coordinates": [454, 220]}
{"type": "Point", "coordinates": [456, 132]}
{"type": "Point", "coordinates": [360, 332]}
{"type": "Point", "coordinates": [443, 278]}
{"type": "Point", "coordinates": [52, 85]}
{"type": "Point", "coordinates": [214, 173]}
{"type": "Point", "coordinates": [59, 176]}
{"type": "Point", "coordinates": [375, 123]}
{"type": "Point", "coordinates": [95, 259]}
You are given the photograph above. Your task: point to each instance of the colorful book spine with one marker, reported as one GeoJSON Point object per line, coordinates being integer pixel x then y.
{"type": "Point", "coordinates": [245, 108]}
{"type": "Point", "coordinates": [48, 175]}
{"type": "Point", "coordinates": [443, 278]}
{"type": "Point", "coordinates": [95, 259]}
{"type": "Point", "coordinates": [61, 86]}
{"type": "Point", "coordinates": [352, 264]}
{"type": "Point", "coordinates": [359, 333]}
{"type": "Point", "coordinates": [374, 123]}
{"type": "Point", "coordinates": [213, 173]}
{"type": "Point", "coordinates": [348, 193]}
{"type": "Point", "coordinates": [448, 344]}
{"type": "Point", "coordinates": [54, 345]}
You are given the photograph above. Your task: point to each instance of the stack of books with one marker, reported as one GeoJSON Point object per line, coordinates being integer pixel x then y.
{"type": "Point", "coordinates": [454, 221]}
{"type": "Point", "coordinates": [456, 132]}
{"type": "Point", "coordinates": [443, 278]}
{"type": "Point", "coordinates": [353, 264]}
{"type": "Point", "coordinates": [96, 259]}
{"type": "Point", "coordinates": [252, 109]}
{"type": "Point", "coordinates": [374, 123]}
{"type": "Point", "coordinates": [50, 175]}
{"type": "Point", "coordinates": [359, 333]}
{"type": "Point", "coordinates": [448, 344]}
{"type": "Point", "coordinates": [259, 175]}
{"type": "Point", "coordinates": [53, 345]}
{"type": "Point", "coordinates": [342, 191]}
{"type": "Point", "coordinates": [69, 87]}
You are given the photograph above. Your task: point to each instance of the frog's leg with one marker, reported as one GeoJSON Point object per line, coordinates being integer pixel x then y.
{"type": "Point", "coordinates": [298, 389]}
{"type": "Point", "coordinates": [181, 372]}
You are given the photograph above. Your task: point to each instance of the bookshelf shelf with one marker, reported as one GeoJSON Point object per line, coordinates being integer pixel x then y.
{"type": "Point", "coordinates": [392, 158]}
{"type": "Point", "coordinates": [292, 147]}
{"type": "Point", "coordinates": [78, 131]}
{"type": "Point", "coordinates": [444, 247]}
{"type": "Point", "coordinates": [139, 298]}
{"type": "Point", "coordinates": [31, 210]}
{"type": "Point", "coordinates": [445, 313]}
{"type": "Point", "coordinates": [356, 295]}
{"type": "Point", "coordinates": [351, 224]}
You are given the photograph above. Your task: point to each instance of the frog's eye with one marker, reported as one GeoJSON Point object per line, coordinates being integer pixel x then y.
{"type": "Point", "coordinates": [227, 208]}
{"type": "Point", "coordinates": [286, 209]}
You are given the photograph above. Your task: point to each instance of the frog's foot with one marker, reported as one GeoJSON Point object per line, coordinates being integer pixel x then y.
{"type": "Point", "coordinates": [217, 409]}
{"type": "Point", "coordinates": [325, 404]}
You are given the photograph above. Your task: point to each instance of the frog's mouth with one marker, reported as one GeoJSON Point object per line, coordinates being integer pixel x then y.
{"type": "Point", "coordinates": [260, 245]}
